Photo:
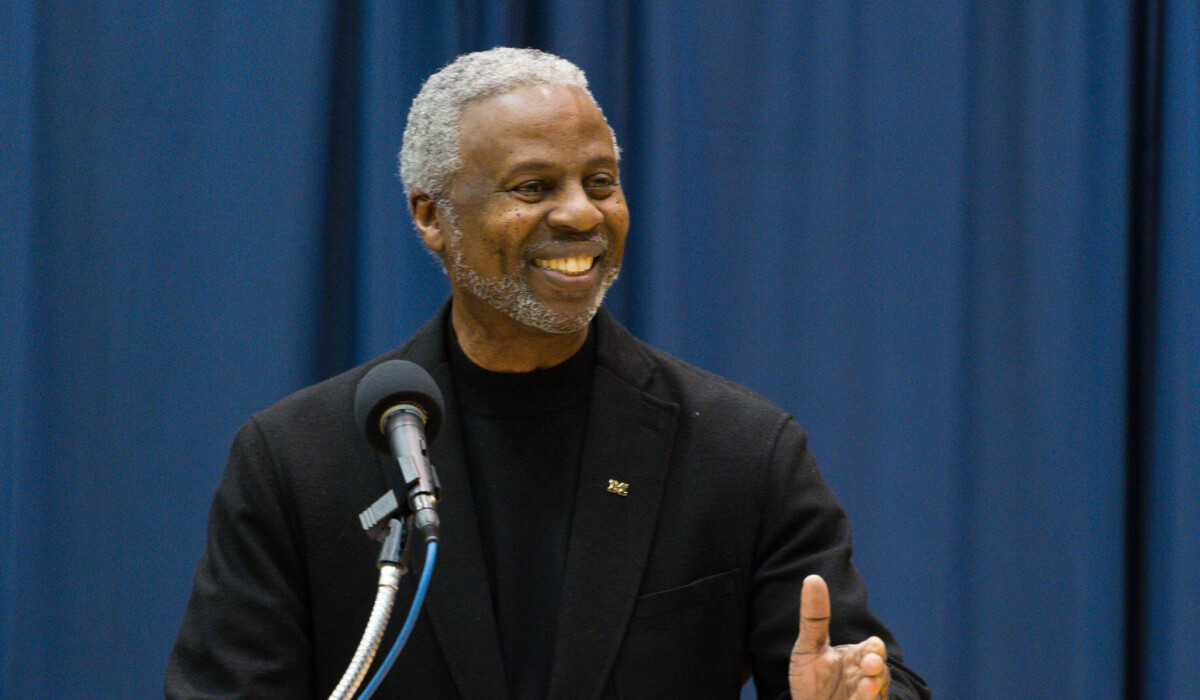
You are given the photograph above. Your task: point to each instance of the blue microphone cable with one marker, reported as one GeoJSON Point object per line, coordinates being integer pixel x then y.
{"type": "Point", "coordinates": [413, 611]}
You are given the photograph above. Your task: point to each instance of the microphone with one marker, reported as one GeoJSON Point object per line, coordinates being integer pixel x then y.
{"type": "Point", "coordinates": [399, 407]}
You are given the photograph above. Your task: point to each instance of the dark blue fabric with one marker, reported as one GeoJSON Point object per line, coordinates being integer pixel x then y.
{"type": "Point", "coordinates": [910, 226]}
{"type": "Point", "coordinates": [1169, 422]}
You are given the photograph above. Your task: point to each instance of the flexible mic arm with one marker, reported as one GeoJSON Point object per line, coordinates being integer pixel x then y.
{"type": "Point", "coordinates": [392, 564]}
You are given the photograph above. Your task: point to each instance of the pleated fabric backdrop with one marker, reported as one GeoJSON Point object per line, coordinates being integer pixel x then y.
{"type": "Point", "coordinates": [960, 241]}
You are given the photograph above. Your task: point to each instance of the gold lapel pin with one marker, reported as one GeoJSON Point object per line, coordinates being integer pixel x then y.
{"type": "Point", "coordinates": [618, 487]}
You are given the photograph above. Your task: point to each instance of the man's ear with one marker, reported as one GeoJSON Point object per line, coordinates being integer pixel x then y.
{"type": "Point", "coordinates": [425, 214]}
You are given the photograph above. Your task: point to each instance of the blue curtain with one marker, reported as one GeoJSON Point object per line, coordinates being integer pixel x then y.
{"type": "Point", "coordinates": [960, 241]}
{"type": "Point", "coordinates": [1164, 420]}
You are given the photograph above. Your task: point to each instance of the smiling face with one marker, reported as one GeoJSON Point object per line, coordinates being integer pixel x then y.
{"type": "Point", "coordinates": [536, 223]}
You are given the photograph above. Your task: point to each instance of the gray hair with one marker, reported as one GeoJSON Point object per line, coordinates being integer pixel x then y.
{"type": "Point", "coordinates": [431, 155]}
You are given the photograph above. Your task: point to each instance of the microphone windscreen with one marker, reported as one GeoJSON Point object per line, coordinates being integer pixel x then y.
{"type": "Point", "coordinates": [388, 384]}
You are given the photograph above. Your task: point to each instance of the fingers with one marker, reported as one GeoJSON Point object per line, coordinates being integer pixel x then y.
{"type": "Point", "coordinates": [867, 658]}
{"type": "Point", "coordinates": [875, 673]}
{"type": "Point", "coordinates": [872, 657]}
{"type": "Point", "coordinates": [871, 689]}
{"type": "Point", "coordinates": [814, 615]}
{"type": "Point", "coordinates": [871, 665]}
{"type": "Point", "coordinates": [873, 646]}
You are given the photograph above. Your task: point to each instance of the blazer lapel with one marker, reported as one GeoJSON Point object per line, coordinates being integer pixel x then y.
{"type": "Point", "coordinates": [628, 443]}
{"type": "Point", "coordinates": [459, 601]}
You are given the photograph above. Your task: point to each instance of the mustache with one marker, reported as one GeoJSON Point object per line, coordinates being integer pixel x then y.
{"type": "Point", "coordinates": [559, 237]}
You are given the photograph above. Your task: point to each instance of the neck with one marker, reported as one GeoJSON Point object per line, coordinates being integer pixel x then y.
{"type": "Point", "coordinates": [512, 347]}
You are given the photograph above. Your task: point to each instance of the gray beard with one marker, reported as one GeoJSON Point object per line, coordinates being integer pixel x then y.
{"type": "Point", "coordinates": [511, 296]}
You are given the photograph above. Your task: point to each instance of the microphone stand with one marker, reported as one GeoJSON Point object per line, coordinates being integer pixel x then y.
{"type": "Point", "coordinates": [393, 563]}
{"type": "Point", "coordinates": [389, 522]}
{"type": "Point", "coordinates": [393, 403]}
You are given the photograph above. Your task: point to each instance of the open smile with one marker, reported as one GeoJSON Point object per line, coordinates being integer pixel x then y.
{"type": "Point", "coordinates": [572, 266]}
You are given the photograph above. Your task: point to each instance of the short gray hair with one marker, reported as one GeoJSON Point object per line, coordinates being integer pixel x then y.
{"type": "Point", "coordinates": [431, 155]}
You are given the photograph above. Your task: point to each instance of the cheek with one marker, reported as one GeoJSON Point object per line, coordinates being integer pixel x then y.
{"type": "Point", "coordinates": [511, 229]}
{"type": "Point", "coordinates": [497, 236]}
{"type": "Point", "coordinates": [617, 216]}
{"type": "Point", "coordinates": [505, 238]}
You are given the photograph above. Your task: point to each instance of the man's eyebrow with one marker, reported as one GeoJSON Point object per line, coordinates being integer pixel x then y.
{"type": "Point", "coordinates": [527, 165]}
{"type": "Point", "coordinates": [598, 161]}
{"type": "Point", "coordinates": [601, 160]}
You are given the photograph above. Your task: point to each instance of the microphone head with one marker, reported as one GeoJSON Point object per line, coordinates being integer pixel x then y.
{"type": "Point", "coordinates": [389, 384]}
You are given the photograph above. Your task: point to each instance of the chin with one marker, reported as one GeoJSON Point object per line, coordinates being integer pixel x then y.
{"type": "Point", "coordinates": [535, 314]}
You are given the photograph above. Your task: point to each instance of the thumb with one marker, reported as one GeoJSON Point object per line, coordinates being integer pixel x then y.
{"type": "Point", "coordinates": [814, 615]}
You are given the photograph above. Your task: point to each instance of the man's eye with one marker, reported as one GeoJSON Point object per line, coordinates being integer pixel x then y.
{"type": "Point", "coordinates": [601, 185]}
{"type": "Point", "coordinates": [532, 188]}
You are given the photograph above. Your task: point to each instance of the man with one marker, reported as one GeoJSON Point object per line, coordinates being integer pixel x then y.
{"type": "Point", "coordinates": [615, 523]}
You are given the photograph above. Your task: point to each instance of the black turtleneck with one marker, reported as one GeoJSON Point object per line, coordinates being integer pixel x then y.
{"type": "Point", "coordinates": [524, 439]}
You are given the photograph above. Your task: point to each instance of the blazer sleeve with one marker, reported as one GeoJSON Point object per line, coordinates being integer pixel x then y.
{"type": "Point", "coordinates": [804, 531]}
{"type": "Point", "coordinates": [247, 630]}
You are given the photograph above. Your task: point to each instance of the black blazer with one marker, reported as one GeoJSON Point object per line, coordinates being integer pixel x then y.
{"type": "Point", "coordinates": [679, 589]}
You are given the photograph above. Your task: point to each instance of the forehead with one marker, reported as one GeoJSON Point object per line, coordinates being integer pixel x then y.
{"type": "Point", "coordinates": [558, 123]}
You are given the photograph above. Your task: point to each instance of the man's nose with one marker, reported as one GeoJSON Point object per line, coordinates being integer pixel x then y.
{"type": "Point", "coordinates": [575, 210]}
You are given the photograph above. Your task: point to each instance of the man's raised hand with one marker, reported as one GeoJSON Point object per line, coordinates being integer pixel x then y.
{"type": "Point", "coordinates": [819, 671]}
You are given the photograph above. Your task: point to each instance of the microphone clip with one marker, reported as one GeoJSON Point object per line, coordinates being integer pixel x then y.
{"type": "Point", "coordinates": [376, 518]}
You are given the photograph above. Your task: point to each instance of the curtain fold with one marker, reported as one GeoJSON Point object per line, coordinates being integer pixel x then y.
{"type": "Point", "coordinates": [1168, 471]}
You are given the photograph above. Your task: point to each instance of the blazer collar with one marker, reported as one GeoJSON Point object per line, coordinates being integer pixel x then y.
{"type": "Point", "coordinates": [626, 450]}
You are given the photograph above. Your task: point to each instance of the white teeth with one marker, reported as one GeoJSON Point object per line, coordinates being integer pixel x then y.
{"type": "Point", "coordinates": [570, 266]}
